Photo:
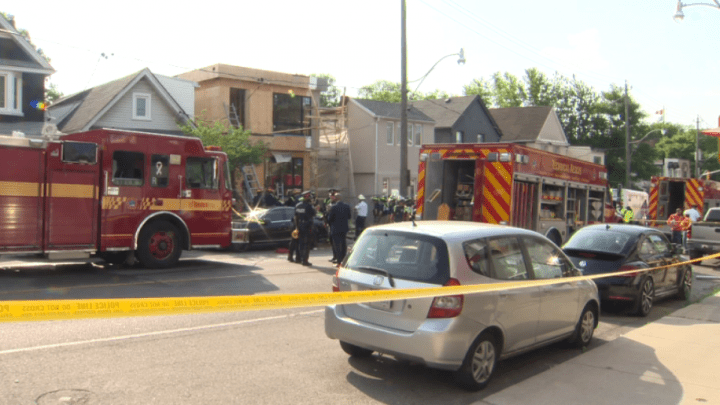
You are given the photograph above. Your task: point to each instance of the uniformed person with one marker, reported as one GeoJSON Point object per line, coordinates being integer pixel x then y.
{"type": "Point", "coordinates": [304, 217]}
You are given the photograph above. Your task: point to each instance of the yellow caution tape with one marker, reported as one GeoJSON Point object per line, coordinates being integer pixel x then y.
{"type": "Point", "coordinates": [43, 310]}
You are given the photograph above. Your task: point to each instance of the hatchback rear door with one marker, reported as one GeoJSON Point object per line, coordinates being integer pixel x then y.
{"type": "Point", "coordinates": [383, 260]}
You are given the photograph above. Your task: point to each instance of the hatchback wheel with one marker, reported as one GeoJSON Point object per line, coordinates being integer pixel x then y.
{"type": "Point", "coordinates": [645, 298]}
{"type": "Point", "coordinates": [355, 351]}
{"type": "Point", "coordinates": [585, 327]}
{"type": "Point", "coordinates": [685, 287]}
{"type": "Point", "coordinates": [479, 364]}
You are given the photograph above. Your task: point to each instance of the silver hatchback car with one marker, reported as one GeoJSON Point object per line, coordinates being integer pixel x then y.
{"type": "Point", "coordinates": [470, 333]}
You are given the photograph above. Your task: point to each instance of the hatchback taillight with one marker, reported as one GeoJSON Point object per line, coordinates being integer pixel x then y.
{"type": "Point", "coordinates": [629, 267]}
{"type": "Point", "coordinates": [447, 307]}
{"type": "Point", "coordinates": [335, 283]}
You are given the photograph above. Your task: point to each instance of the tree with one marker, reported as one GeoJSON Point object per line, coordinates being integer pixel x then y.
{"type": "Point", "coordinates": [384, 90]}
{"type": "Point", "coordinates": [235, 142]}
{"type": "Point", "coordinates": [331, 96]}
{"type": "Point", "coordinates": [483, 89]}
{"type": "Point", "coordinates": [52, 93]}
{"type": "Point", "coordinates": [509, 91]}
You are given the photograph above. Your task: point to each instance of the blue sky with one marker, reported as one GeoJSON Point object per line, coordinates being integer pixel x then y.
{"type": "Point", "coordinates": [667, 64]}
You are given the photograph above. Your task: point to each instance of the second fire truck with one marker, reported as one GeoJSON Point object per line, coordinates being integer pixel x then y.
{"type": "Point", "coordinates": [670, 193]}
{"type": "Point", "coordinates": [503, 183]}
{"type": "Point", "coordinates": [112, 193]}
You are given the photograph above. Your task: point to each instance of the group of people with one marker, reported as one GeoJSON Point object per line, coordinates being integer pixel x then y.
{"type": "Point", "coordinates": [389, 209]}
{"type": "Point", "coordinates": [680, 223]}
{"type": "Point", "coordinates": [336, 215]}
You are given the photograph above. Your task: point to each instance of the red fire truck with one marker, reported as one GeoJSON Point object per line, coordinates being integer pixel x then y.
{"type": "Point", "coordinates": [504, 183]}
{"type": "Point", "coordinates": [670, 193]}
{"type": "Point", "coordinates": [108, 193]}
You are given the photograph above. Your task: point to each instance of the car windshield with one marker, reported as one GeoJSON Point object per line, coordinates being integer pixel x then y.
{"type": "Point", "coordinates": [403, 255]}
{"type": "Point", "coordinates": [605, 241]}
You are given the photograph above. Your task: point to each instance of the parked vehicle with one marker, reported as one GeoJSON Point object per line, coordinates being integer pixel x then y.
{"type": "Point", "coordinates": [467, 334]}
{"type": "Point", "coordinates": [599, 249]}
{"type": "Point", "coordinates": [512, 184]}
{"type": "Point", "coordinates": [703, 238]}
{"type": "Point", "coordinates": [273, 226]}
{"type": "Point", "coordinates": [113, 193]}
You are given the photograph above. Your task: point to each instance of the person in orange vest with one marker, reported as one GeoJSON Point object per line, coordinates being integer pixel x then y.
{"type": "Point", "coordinates": [686, 224]}
{"type": "Point", "coordinates": [675, 222]}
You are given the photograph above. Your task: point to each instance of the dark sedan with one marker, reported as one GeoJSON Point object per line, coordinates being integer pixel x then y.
{"type": "Point", "coordinates": [272, 226]}
{"type": "Point", "coordinates": [599, 249]}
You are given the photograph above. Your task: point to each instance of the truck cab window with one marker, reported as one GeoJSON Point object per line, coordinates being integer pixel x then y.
{"type": "Point", "coordinates": [128, 168]}
{"type": "Point", "coordinates": [201, 173]}
{"type": "Point", "coordinates": [79, 152]}
{"type": "Point", "coordinates": [159, 167]}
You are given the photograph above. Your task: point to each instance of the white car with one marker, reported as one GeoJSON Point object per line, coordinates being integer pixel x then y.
{"type": "Point", "coordinates": [470, 333]}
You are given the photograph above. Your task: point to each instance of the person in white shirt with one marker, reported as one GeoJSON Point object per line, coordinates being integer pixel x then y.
{"type": "Point", "coordinates": [362, 209]}
{"type": "Point", "coordinates": [693, 213]}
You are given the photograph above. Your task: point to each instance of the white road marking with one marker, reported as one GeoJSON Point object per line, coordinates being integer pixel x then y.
{"type": "Point", "coordinates": [157, 333]}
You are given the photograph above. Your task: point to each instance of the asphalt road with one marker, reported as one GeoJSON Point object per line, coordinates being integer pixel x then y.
{"type": "Point", "coordinates": [277, 356]}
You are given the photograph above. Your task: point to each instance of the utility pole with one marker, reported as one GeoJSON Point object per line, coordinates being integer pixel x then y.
{"type": "Point", "coordinates": [698, 158]}
{"type": "Point", "coordinates": [627, 138]}
{"type": "Point", "coordinates": [403, 105]}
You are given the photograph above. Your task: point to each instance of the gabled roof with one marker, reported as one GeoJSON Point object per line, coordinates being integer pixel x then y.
{"type": "Point", "coordinates": [447, 111]}
{"type": "Point", "coordinates": [390, 110]}
{"type": "Point", "coordinates": [81, 110]}
{"type": "Point", "coordinates": [521, 124]}
{"type": "Point", "coordinates": [36, 63]}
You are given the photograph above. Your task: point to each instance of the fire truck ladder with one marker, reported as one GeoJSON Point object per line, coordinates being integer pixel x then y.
{"type": "Point", "coordinates": [252, 186]}
{"type": "Point", "coordinates": [232, 115]}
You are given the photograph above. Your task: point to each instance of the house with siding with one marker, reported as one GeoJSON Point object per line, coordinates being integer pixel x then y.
{"type": "Point", "coordinates": [460, 120]}
{"type": "Point", "coordinates": [540, 128]}
{"type": "Point", "coordinates": [374, 136]}
{"type": "Point", "coordinates": [22, 83]}
{"type": "Point", "coordinates": [142, 101]}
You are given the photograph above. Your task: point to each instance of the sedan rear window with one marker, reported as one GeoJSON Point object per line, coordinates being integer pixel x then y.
{"type": "Point", "coordinates": [406, 256]}
{"type": "Point", "coordinates": [599, 241]}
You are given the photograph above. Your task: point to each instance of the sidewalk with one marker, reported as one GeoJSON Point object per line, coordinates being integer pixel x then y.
{"type": "Point", "coordinates": [675, 360]}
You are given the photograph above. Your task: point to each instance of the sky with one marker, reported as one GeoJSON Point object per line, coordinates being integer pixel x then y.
{"type": "Point", "coordinates": [667, 65]}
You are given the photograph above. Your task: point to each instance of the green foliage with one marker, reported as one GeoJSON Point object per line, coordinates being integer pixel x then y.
{"type": "Point", "coordinates": [509, 91]}
{"type": "Point", "coordinates": [681, 145]}
{"type": "Point", "coordinates": [52, 93]}
{"type": "Point", "coordinates": [330, 97]}
{"type": "Point", "coordinates": [235, 142]}
{"type": "Point", "coordinates": [482, 88]}
{"type": "Point", "coordinates": [384, 90]}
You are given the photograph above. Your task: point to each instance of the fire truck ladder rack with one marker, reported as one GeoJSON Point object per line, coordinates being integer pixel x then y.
{"type": "Point", "coordinates": [232, 115]}
{"type": "Point", "coordinates": [252, 186]}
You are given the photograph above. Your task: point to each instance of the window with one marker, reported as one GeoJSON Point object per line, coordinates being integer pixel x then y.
{"type": "Point", "coordinates": [507, 259]}
{"type": "Point", "coordinates": [79, 152]}
{"type": "Point", "coordinates": [289, 112]}
{"type": "Point", "coordinates": [128, 168]}
{"type": "Point", "coordinates": [477, 257]}
{"type": "Point", "coordinates": [159, 170]}
{"type": "Point", "coordinates": [480, 138]}
{"type": "Point", "coordinates": [546, 260]}
{"type": "Point", "coordinates": [458, 137]}
{"type": "Point", "coordinates": [11, 93]}
{"type": "Point", "coordinates": [418, 134]}
{"type": "Point", "coordinates": [201, 173]}
{"type": "Point", "coordinates": [410, 134]}
{"type": "Point", "coordinates": [228, 178]}
{"type": "Point", "coordinates": [661, 244]}
{"type": "Point", "coordinates": [141, 106]}
{"type": "Point", "coordinates": [597, 160]}
{"type": "Point", "coordinates": [390, 135]}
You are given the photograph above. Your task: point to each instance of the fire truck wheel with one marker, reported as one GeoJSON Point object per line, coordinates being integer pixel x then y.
{"type": "Point", "coordinates": [159, 245]}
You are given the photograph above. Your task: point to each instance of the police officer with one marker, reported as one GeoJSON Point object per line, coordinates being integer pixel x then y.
{"type": "Point", "coordinates": [304, 217]}
{"type": "Point", "coordinates": [627, 214]}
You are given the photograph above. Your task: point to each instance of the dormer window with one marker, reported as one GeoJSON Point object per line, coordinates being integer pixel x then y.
{"type": "Point", "coordinates": [10, 93]}
{"type": "Point", "coordinates": [141, 106]}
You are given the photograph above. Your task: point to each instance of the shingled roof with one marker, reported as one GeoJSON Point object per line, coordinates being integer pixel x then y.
{"type": "Point", "coordinates": [391, 110]}
{"type": "Point", "coordinates": [521, 124]}
{"type": "Point", "coordinates": [79, 111]}
{"type": "Point", "coordinates": [447, 111]}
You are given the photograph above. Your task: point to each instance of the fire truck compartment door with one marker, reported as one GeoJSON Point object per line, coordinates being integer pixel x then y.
{"type": "Point", "coordinates": [72, 205]}
{"type": "Point", "coordinates": [433, 182]}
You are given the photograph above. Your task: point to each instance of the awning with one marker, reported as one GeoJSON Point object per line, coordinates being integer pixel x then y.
{"type": "Point", "coordinates": [712, 132]}
{"type": "Point", "coordinates": [282, 157]}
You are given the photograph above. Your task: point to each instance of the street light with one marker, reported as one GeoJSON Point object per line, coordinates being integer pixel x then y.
{"type": "Point", "coordinates": [679, 13]}
{"type": "Point", "coordinates": [629, 152]}
{"type": "Point", "coordinates": [632, 150]}
{"type": "Point", "coordinates": [404, 173]}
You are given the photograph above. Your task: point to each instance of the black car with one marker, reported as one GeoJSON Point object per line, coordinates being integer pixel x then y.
{"type": "Point", "coordinates": [598, 249]}
{"type": "Point", "coordinates": [272, 226]}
